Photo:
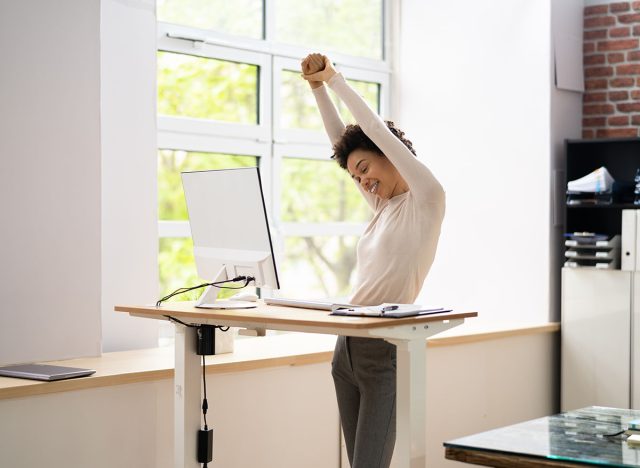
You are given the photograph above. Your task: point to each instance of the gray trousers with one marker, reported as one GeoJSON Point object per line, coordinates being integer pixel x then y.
{"type": "Point", "coordinates": [364, 374]}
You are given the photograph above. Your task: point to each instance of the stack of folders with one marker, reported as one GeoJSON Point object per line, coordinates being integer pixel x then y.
{"type": "Point", "coordinates": [590, 250]}
{"type": "Point", "coordinates": [595, 188]}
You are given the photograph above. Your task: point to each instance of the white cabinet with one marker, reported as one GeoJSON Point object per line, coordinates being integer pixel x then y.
{"type": "Point", "coordinates": [597, 338]}
{"type": "Point", "coordinates": [635, 340]}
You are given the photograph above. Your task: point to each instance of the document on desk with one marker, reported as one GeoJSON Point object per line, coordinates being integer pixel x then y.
{"type": "Point", "coordinates": [388, 310]}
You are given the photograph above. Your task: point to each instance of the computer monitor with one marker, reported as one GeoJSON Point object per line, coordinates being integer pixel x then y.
{"type": "Point", "coordinates": [230, 230]}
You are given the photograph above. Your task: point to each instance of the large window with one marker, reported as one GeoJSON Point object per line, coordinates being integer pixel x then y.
{"type": "Point", "coordinates": [230, 95]}
{"type": "Point", "coordinates": [353, 27]}
{"type": "Point", "coordinates": [207, 88]}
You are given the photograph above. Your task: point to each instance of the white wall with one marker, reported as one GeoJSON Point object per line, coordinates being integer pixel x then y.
{"type": "Point", "coordinates": [129, 170]}
{"type": "Point", "coordinates": [78, 176]}
{"type": "Point", "coordinates": [279, 417]}
{"type": "Point", "coordinates": [473, 96]}
{"type": "Point", "coordinates": [274, 417]}
{"type": "Point", "coordinates": [480, 386]}
{"type": "Point", "coordinates": [567, 19]}
{"type": "Point", "coordinates": [50, 182]}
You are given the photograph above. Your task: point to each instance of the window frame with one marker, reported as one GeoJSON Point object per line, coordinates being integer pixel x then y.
{"type": "Point", "coordinates": [260, 130]}
{"type": "Point", "coordinates": [269, 46]}
{"type": "Point", "coordinates": [295, 136]}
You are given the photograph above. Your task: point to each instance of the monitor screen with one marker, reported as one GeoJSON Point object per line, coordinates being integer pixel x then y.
{"type": "Point", "coordinates": [229, 225]}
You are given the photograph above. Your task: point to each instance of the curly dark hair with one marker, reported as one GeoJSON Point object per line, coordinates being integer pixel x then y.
{"type": "Point", "coordinates": [354, 138]}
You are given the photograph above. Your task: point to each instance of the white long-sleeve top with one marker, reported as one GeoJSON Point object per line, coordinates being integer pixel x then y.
{"type": "Point", "coordinates": [397, 249]}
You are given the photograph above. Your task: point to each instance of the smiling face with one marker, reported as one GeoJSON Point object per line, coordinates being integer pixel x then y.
{"type": "Point", "coordinates": [376, 174]}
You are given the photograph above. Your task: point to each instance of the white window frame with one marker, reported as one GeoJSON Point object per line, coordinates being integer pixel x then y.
{"type": "Point", "coordinates": [287, 135]}
{"type": "Point", "coordinates": [271, 47]}
{"type": "Point", "coordinates": [261, 130]}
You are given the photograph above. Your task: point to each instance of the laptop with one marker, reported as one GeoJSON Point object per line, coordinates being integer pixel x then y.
{"type": "Point", "coordinates": [44, 372]}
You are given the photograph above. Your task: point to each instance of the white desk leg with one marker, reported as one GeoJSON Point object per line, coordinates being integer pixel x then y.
{"type": "Point", "coordinates": [187, 398]}
{"type": "Point", "coordinates": [409, 451]}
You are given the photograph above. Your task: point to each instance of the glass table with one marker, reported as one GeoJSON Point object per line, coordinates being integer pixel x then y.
{"type": "Point", "coordinates": [584, 436]}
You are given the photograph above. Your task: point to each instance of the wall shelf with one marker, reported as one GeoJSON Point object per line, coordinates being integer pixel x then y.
{"type": "Point", "coordinates": [619, 206]}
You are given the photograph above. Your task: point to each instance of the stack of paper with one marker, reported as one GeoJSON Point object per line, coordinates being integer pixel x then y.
{"type": "Point", "coordinates": [598, 181]}
{"type": "Point", "coordinates": [590, 250]}
{"type": "Point", "coordinates": [593, 189]}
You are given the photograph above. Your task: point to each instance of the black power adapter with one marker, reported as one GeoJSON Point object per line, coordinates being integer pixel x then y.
{"type": "Point", "coordinates": [205, 445]}
{"type": "Point", "coordinates": [206, 343]}
{"type": "Point", "coordinates": [206, 346]}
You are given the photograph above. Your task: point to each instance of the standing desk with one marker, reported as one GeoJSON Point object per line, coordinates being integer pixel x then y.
{"type": "Point", "coordinates": [407, 334]}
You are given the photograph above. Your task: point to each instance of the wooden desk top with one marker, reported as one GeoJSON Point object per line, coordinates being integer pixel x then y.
{"type": "Point", "coordinates": [279, 317]}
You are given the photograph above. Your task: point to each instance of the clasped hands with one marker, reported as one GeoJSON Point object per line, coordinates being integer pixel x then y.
{"type": "Point", "coordinates": [317, 68]}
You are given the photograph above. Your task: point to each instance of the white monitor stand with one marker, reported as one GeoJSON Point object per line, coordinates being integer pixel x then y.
{"type": "Point", "coordinates": [209, 298]}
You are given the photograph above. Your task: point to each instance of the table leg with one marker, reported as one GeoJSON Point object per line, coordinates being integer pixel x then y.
{"type": "Point", "coordinates": [186, 398]}
{"type": "Point", "coordinates": [410, 451]}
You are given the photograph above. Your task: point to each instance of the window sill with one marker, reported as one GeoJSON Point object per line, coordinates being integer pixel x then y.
{"type": "Point", "coordinates": [291, 349]}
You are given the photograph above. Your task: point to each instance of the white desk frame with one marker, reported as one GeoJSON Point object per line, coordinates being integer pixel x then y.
{"type": "Point", "coordinates": [411, 347]}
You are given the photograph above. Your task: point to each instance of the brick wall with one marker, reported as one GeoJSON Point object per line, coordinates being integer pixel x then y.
{"type": "Point", "coordinates": [611, 102]}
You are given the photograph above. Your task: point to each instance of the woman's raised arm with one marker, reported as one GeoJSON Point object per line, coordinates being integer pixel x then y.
{"type": "Point", "coordinates": [333, 124]}
{"type": "Point", "coordinates": [421, 181]}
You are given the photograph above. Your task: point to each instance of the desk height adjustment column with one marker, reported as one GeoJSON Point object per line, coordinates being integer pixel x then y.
{"type": "Point", "coordinates": [410, 402]}
{"type": "Point", "coordinates": [186, 398]}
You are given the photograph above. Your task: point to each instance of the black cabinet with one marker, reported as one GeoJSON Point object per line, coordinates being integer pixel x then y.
{"type": "Point", "coordinates": [621, 157]}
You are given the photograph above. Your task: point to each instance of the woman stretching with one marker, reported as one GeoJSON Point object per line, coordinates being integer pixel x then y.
{"type": "Point", "coordinates": [393, 256]}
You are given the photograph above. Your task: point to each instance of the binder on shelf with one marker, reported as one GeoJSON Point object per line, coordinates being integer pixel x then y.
{"type": "Point", "coordinates": [629, 242]}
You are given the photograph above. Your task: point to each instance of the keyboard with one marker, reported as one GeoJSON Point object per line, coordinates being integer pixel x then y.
{"type": "Point", "coordinates": [319, 305]}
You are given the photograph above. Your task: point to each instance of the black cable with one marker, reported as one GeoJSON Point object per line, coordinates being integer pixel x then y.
{"type": "Point", "coordinates": [614, 435]}
{"type": "Point", "coordinates": [246, 279]}
{"type": "Point", "coordinates": [173, 319]}
{"type": "Point", "coordinates": [203, 285]}
{"type": "Point", "coordinates": [205, 405]}
{"type": "Point", "coordinates": [191, 325]}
